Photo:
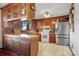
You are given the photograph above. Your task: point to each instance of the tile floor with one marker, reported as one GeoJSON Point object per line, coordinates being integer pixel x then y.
{"type": "Point", "coordinates": [51, 49]}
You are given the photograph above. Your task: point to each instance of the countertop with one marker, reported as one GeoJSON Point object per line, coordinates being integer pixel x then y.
{"type": "Point", "coordinates": [21, 35]}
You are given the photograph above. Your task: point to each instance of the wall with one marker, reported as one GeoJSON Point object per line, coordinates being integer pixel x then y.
{"type": "Point", "coordinates": [74, 36]}
{"type": "Point", "coordinates": [0, 32]}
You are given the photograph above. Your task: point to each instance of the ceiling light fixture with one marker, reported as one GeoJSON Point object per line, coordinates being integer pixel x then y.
{"type": "Point", "coordinates": [46, 15]}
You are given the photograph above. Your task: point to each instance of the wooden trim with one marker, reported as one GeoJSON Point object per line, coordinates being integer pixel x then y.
{"type": "Point", "coordinates": [55, 17]}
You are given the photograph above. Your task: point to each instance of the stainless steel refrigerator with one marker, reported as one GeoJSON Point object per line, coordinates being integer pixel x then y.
{"type": "Point", "coordinates": [62, 33]}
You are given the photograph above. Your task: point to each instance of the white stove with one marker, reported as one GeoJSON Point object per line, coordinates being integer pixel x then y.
{"type": "Point", "coordinates": [45, 34]}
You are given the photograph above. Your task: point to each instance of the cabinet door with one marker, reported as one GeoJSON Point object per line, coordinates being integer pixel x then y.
{"type": "Point", "coordinates": [4, 42]}
{"type": "Point", "coordinates": [45, 22]}
{"type": "Point", "coordinates": [39, 24]}
{"type": "Point", "coordinates": [16, 23]}
{"type": "Point", "coordinates": [24, 49]}
{"type": "Point", "coordinates": [15, 10]}
{"type": "Point", "coordinates": [32, 14]}
{"type": "Point", "coordinates": [15, 45]}
{"type": "Point", "coordinates": [9, 42]}
{"type": "Point", "coordinates": [52, 23]}
{"type": "Point", "coordinates": [34, 47]}
{"type": "Point", "coordinates": [52, 38]}
{"type": "Point", "coordinates": [34, 24]}
{"type": "Point", "coordinates": [4, 14]}
{"type": "Point", "coordinates": [31, 11]}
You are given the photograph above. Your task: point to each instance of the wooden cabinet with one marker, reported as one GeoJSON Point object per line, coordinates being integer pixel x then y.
{"type": "Point", "coordinates": [52, 38]}
{"type": "Point", "coordinates": [21, 46]}
{"type": "Point", "coordinates": [10, 11]}
{"type": "Point", "coordinates": [39, 24]}
{"type": "Point", "coordinates": [34, 24]}
{"type": "Point", "coordinates": [5, 44]}
{"type": "Point", "coordinates": [12, 27]}
{"type": "Point", "coordinates": [15, 45]}
{"type": "Point", "coordinates": [52, 23]}
{"type": "Point", "coordinates": [45, 22]}
{"type": "Point", "coordinates": [34, 46]}
{"type": "Point", "coordinates": [17, 10]}
{"type": "Point", "coordinates": [14, 12]}
{"type": "Point", "coordinates": [24, 48]}
{"type": "Point", "coordinates": [32, 11]}
{"type": "Point", "coordinates": [14, 23]}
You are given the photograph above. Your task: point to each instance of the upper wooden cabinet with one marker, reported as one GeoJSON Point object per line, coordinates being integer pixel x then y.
{"type": "Point", "coordinates": [10, 11]}
{"type": "Point", "coordinates": [45, 22]}
{"type": "Point", "coordinates": [34, 24]}
{"type": "Point", "coordinates": [19, 10]}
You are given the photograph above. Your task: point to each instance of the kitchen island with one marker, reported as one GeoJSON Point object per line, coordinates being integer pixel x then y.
{"type": "Point", "coordinates": [23, 45]}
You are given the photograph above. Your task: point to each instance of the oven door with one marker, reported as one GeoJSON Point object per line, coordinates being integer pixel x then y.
{"type": "Point", "coordinates": [44, 37]}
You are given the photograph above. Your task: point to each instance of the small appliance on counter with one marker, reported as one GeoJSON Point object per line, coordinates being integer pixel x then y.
{"type": "Point", "coordinates": [25, 25]}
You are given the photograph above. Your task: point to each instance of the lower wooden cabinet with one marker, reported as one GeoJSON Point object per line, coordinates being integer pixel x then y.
{"type": "Point", "coordinates": [52, 38]}
{"type": "Point", "coordinates": [5, 43]}
{"type": "Point", "coordinates": [24, 47]}
{"type": "Point", "coordinates": [15, 46]}
{"type": "Point", "coordinates": [21, 46]}
{"type": "Point", "coordinates": [24, 50]}
{"type": "Point", "coordinates": [34, 46]}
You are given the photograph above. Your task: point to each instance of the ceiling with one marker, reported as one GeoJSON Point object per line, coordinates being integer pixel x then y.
{"type": "Point", "coordinates": [3, 4]}
{"type": "Point", "coordinates": [54, 9]}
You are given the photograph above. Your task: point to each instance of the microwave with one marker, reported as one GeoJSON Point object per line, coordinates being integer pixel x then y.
{"type": "Point", "coordinates": [25, 25]}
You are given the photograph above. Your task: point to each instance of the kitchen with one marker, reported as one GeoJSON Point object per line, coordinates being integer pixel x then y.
{"type": "Point", "coordinates": [25, 28]}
